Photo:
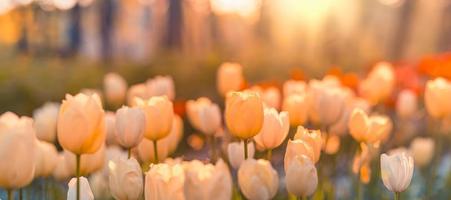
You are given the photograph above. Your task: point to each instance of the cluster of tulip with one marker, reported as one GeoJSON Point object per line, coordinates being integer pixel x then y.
{"type": "Point", "coordinates": [126, 153]}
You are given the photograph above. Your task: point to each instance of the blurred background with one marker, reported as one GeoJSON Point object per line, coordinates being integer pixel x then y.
{"type": "Point", "coordinates": [50, 47]}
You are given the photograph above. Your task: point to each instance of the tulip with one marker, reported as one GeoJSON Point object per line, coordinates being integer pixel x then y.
{"type": "Point", "coordinates": [81, 127]}
{"type": "Point", "coordinates": [312, 138]}
{"type": "Point", "coordinates": [46, 158]}
{"type": "Point", "coordinates": [130, 126]}
{"type": "Point", "coordinates": [422, 150]}
{"type": "Point", "coordinates": [161, 86]}
{"type": "Point", "coordinates": [110, 128]}
{"type": "Point", "coordinates": [368, 129]}
{"type": "Point", "coordinates": [396, 171]}
{"type": "Point", "coordinates": [331, 144]}
{"type": "Point", "coordinates": [167, 145]}
{"type": "Point", "coordinates": [258, 179]}
{"type": "Point", "coordinates": [315, 91]}
{"type": "Point", "coordinates": [137, 91]}
{"type": "Point", "coordinates": [204, 115]}
{"type": "Point", "coordinates": [235, 153]}
{"type": "Point", "coordinates": [17, 150]}
{"type": "Point", "coordinates": [159, 116]}
{"type": "Point", "coordinates": [229, 78]}
{"type": "Point", "coordinates": [274, 131]}
{"type": "Point", "coordinates": [79, 189]}
{"type": "Point", "coordinates": [297, 107]}
{"type": "Point", "coordinates": [436, 97]}
{"type": "Point", "coordinates": [406, 105]}
{"type": "Point", "coordinates": [100, 185]}
{"type": "Point", "coordinates": [45, 121]}
{"type": "Point", "coordinates": [379, 84]}
{"type": "Point", "coordinates": [297, 148]}
{"type": "Point", "coordinates": [125, 178]}
{"type": "Point", "coordinates": [164, 181]}
{"type": "Point", "coordinates": [62, 171]}
{"type": "Point", "coordinates": [115, 88]}
{"type": "Point", "coordinates": [207, 181]}
{"type": "Point", "coordinates": [301, 176]}
{"type": "Point", "coordinates": [291, 87]}
{"type": "Point", "coordinates": [330, 105]}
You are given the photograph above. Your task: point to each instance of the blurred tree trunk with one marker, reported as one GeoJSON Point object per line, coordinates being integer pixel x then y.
{"type": "Point", "coordinates": [107, 11]}
{"type": "Point", "coordinates": [174, 24]}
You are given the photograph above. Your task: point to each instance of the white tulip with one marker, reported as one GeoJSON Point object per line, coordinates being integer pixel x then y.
{"type": "Point", "coordinates": [85, 189]}
{"type": "Point", "coordinates": [161, 85]}
{"type": "Point", "coordinates": [257, 179]}
{"type": "Point", "coordinates": [125, 179]}
{"type": "Point", "coordinates": [275, 129]}
{"type": "Point", "coordinates": [301, 176]}
{"type": "Point", "coordinates": [396, 171]}
{"type": "Point", "coordinates": [46, 159]}
{"type": "Point", "coordinates": [235, 152]}
{"type": "Point", "coordinates": [165, 181]}
{"type": "Point", "coordinates": [204, 115]}
{"type": "Point", "coordinates": [130, 126]}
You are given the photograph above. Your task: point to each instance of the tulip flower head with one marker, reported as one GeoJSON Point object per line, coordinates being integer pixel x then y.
{"type": "Point", "coordinates": [379, 83]}
{"type": "Point", "coordinates": [301, 176]}
{"type": "Point", "coordinates": [130, 126]}
{"type": "Point", "coordinates": [165, 181]}
{"type": "Point", "coordinates": [422, 150]}
{"type": "Point", "coordinates": [396, 171]}
{"type": "Point", "coordinates": [159, 115]}
{"type": "Point", "coordinates": [207, 181]}
{"type": "Point", "coordinates": [81, 127]}
{"type": "Point", "coordinates": [115, 88]}
{"type": "Point", "coordinates": [297, 107]}
{"type": "Point", "coordinates": [161, 86]}
{"type": "Point", "coordinates": [436, 97]}
{"type": "Point", "coordinates": [258, 179]}
{"type": "Point", "coordinates": [275, 129]}
{"type": "Point", "coordinates": [204, 115]}
{"type": "Point", "coordinates": [244, 114]}
{"type": "Point", "coordinates": [17, 150]}
{"type": "Point", "coordinates": [46, 159]}
{"type": "Point", "coordinates": [125, 178]}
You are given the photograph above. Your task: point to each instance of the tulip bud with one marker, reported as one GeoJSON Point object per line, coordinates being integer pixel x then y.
{"type": "Point", "coordinates": [244, 114]}
{"type": "Point", "coordinates": [396, 171]}
{"type": "Point", "coordinates": [45, 119]}
{"type": "Point", "coordinates": [46, 158]}
{"type": "Point", "coordinates": [229, 78]}
{"type": "Point", "coordinates": [436, 97]}
{"type": "Point", "coordinates": [297, 107]}
{"type": "Point", "coordinates": [207, 181]}
{"type": "Point", "coordinates": [312, 138]}
{"type": "Point", "coordinates": [204, 115]}
{"type": "Point", "coordinates": [330, 105]}
{"type": "Point", "coordinates": [258, 179]}
{"type": "Point", "coordinates": [341, 126]}
{"type": "Point", "coordinates": [275, 129]}
{"type": "Point", "coordinates": [115, 88]}
{"type": "Point", "coordinates": [379, 83]}
{"type": "Point", "coordinates": [406, 105]}
{"type": "Point", "coordinates": [81, 127]}
{"type": "Point", "coordinates": [137, 91]}
{"type": "Point", "coordinates": [235, 152]}
{"type": "Point", "coordinates": [315, 91]}
{"type": "Point", "coordinates": [125, 178]}
{"type": "Point", "coordinates": [270, 96]}
{"type": "Point", "coordinates": [301, 176]}
{"type": "Point", "coordinates": [17, 150]}
{"type": "Point", "coordinates": [422, 150]}
{"type": "Point", "coordinates": [159, 115]}
{"type": "Point", "coordinates": [164, 181]}
{"type": "Point", "coordinates": [130, 126]}
{"type": "Point", "coordinates": [291, 87]}
{"type": "Point", "coordinates": [161, 86]}
{"type": "Point", "coordinates": [85, 190]}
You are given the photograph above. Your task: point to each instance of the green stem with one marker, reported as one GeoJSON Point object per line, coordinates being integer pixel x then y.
{"type": "Point", "coordinates": [77, 173]}
{"type": "Point", "coordinates": [155, 151]}
{"type": "Point", "coordinates": [269, 154]}
{"type": "Point", "coordinates": [397, 196]}
{"type": "Point", "coordinates": [245, 149]}
{"type": "Point", "coordinates": [10, 194]}
{"type": "Point", "coordinates": [129, 150]}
